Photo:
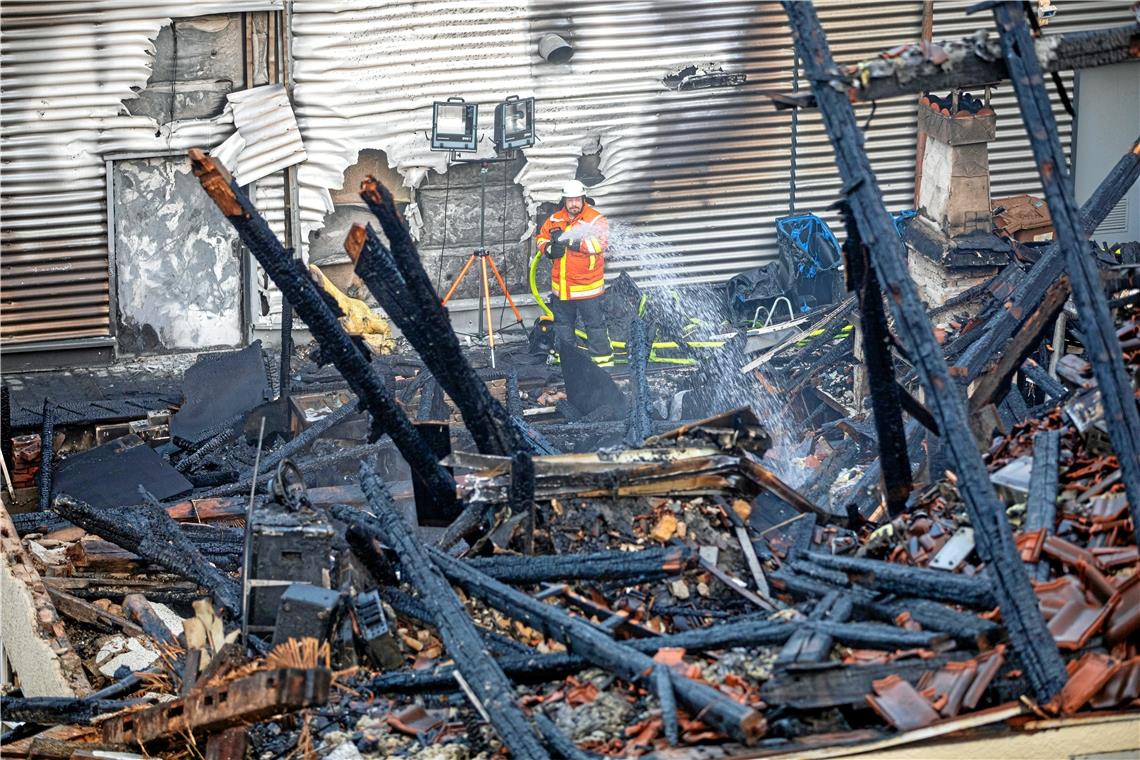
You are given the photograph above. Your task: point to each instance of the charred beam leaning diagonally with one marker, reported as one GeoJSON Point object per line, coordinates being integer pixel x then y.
{"type": "Point", "coordinates": [431, 330]}
{"type": "Point", "coordinates": [886, 400]}
{"type": "Point", "coordinates": [1101, 343]}
{"type": "Point", "coordinates": [1034, 644]}
{"type": "Point", "coordinates": [482, 675]}
{"type": "Point", "coordinates": [740, 722]}
{"type": "Point", "coordinates": [348, 356]}
{"type": "Point", "coordinates": [148, 531]}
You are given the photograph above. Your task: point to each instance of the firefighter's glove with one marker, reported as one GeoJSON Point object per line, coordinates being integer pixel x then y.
{"type": "Point", "coordinates": [557, 247]}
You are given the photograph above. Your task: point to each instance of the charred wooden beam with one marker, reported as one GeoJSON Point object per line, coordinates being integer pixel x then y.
{"type": "Point", "coordinates": [486, 680]}
{"type": "Point", "coordinates": [715, 708]}
{"type": "Point", "coordinates": [980, 65]}
{"type": "Point", "coordinates": [905, 579]}
{"type": "Point", "coordinates": [886, 401]}
{"type": "Point", "coordinates": [149, 532]}
{"type": "Point", "coordinates": [1037, 375]}
{"type": "Point", "coordinates": [59, 711]}
{"type": "Point", "coordinates": [1035, 646]}
{"type": "Point", "coordinates": [638, 427]}
{"type": "Point", "coordinates": [520, 495]}
{"type": "Point", "coordinates": [742, 632]}
{"type": "Point", "coordinates": [993, 383]}
{"type": "Point", "coordinates": [430, 328]}
{"type": "Point", "coordinates": [594, 566]}
{"type": "Point", "coordinates": [1103, 347]}
{"type": "Point", "coordinates": [964, 627]}
{"type": "Point", "coordinates": [139, 609]}
{"type": "Point", "coordinates": [47, 453]}
{"type": "Point", "coordinates": [1041, 504]}
{"type": "Point", "coordinates": [817, 688]}
{"type": "Point", "coordinates": [85, 612]}
{"type": "Point", "coordinates": [350, 358]}
{"type": "Point", "coordinates": [215, 708]}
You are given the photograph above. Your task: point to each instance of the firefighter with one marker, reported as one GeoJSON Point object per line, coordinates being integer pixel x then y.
{"type": "Point", "coordinates": [574, 238]}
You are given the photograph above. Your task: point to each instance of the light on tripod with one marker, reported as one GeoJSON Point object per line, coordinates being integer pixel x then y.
{"type": "Point", "coordinates": [514, 123]}
{"type": "Point", "coordinates": [453, 125]}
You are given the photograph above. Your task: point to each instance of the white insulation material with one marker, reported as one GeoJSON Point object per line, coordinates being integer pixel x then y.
{"type": "Point", "coordinates": [706, 171]}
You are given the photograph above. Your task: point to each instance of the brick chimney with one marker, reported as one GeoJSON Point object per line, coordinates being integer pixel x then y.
{"type": "Point", "coordinates": [955, 191]}
{"type": "Point", "coordinates": [950, 242]}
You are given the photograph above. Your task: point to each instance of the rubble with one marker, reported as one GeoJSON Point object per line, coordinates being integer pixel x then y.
{"type": "Point", "coordinates": [432, 558]}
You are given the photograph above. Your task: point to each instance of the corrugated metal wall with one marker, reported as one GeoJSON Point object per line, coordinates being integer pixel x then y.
{"type": "Point", "coordinates": [707, 171]}
{"type": "Point", "coordinates": [67, 67]}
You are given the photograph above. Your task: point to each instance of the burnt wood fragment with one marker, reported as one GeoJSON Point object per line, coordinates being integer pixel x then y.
{"type": "Point", "coordinates": [1041, 504]}
{"type": "Point", "coordinates": [349, 356]}
{"type": "Point", "coordinates": [993, 382]}
{"type": "Point", "coordinates": [1101, 344]}
{"type": "Point", "coordinates": [807, 645]}
{"type": "Point", "coordinates": [965, 628]}
{"type": "Point", "coordinates": [47, 453]}
{"type": "Point", "coordinates": [483, 676]}
{"type": "Point", "coordinates": [214, 708]}
{"type": "Point", "coordinates": [59, 711]}
{"type": "Point", "coordinates": [1028, 633]}
{"type": "Point", "coordinates": [149, 532]}
{"type": "Point", "coordinates": [225, 434]}
{"type": "Point", "coordinates": [837, 685]}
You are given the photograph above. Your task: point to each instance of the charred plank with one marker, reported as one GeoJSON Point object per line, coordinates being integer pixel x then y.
{"type": "Point", "coordinates": [480, 672]}
{"type": "Point", "coordinates": [149, 532]}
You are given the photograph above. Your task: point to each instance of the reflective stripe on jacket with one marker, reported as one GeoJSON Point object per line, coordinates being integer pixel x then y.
{"type": "Point", "coordinates": [582, 268]}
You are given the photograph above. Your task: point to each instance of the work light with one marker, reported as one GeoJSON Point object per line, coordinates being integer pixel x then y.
{"type": "Point", "coordinates": [453, 125]}
{"type": "Point", "coordinates": [514, 123]}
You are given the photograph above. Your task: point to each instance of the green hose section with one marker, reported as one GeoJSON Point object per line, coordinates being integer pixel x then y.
{"type": "Point", "coordinates": [534, 285]}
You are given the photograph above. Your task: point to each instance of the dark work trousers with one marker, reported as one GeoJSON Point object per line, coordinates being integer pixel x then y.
{"type": "Point", "coordinates": [566, 314]}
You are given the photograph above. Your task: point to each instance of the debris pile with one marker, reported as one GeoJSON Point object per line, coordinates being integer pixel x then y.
{"type": "Point", "coordinates": [405, 557]}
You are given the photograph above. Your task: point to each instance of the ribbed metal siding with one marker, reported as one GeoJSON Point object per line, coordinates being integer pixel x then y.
{"type": "Point", "coordinates": [708, 171]}
{"type": "Point", "coordinates": [67, 67]}
{"type": "Point", "coordinates": [859, 30]}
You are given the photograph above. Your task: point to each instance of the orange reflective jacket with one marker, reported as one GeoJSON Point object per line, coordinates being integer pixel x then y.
{"type": "Point", "coordinates": [581, 272]}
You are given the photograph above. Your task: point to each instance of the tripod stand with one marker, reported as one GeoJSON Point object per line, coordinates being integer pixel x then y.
{"type": "Point", "coordinates": [484, 257]}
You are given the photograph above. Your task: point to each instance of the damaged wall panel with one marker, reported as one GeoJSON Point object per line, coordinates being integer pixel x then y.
{"type": "Point", "coordinates": [179, 278]}
{"type": "Point", "coordinates": [68, 69]}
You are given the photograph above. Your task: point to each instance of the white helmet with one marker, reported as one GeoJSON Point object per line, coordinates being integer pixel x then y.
{"type": "Point", "coordinates": [573, 189]}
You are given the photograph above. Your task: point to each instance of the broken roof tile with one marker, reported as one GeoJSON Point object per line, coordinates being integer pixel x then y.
{"type": "Point", "coordinates": [900, 705]}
